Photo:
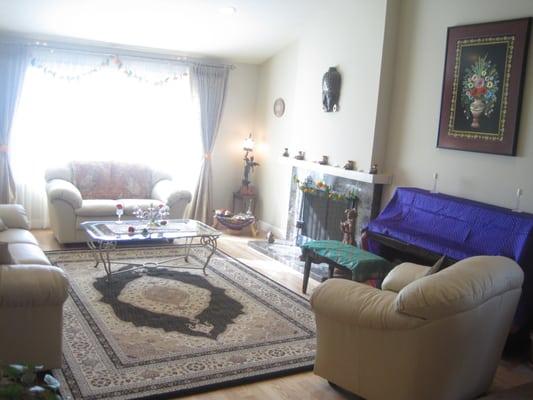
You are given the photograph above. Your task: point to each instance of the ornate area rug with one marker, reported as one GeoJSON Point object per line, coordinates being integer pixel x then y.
{"type": "Point", "coordinates": [167, 332]}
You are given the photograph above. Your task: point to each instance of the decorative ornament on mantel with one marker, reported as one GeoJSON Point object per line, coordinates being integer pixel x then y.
{"type": "Point", "coordinates": [349, 165]}
{"type": "Point", "coordinates": [300, 156]}
{"type": "Point", "coordinates": [331, 90]}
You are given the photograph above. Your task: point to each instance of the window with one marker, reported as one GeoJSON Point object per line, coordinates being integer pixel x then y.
{"type": "Point", "coordinates": [108, 114]}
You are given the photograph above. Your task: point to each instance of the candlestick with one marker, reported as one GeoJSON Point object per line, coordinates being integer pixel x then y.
{"type": "Point", "coordinates": [435, 178]}
{"type": "Point", "coordinates": [518, 195]}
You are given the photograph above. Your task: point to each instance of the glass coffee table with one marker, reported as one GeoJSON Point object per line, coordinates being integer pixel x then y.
{"type": "Point", "coordinates": [104, 236]}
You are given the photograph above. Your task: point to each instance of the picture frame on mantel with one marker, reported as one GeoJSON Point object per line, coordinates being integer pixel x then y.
{"type": "Point", "coordinates": [482, 86]}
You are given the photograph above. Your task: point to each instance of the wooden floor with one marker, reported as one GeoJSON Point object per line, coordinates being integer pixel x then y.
{"type": "Point", "coordinates": [303, 385]}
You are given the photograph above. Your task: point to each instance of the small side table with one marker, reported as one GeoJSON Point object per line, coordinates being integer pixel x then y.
{"type": "Point", "coordinates": [362, 264]}
{"type": "Point", "coordinates": [243, 199]}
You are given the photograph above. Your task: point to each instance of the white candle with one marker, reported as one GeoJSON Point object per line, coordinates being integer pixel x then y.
{"type": "Point", "coordinates": [435, 177]}
{"type": "Point", "coordinates": [518, 195]}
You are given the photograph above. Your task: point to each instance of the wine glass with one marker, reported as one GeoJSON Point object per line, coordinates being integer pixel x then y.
{"type": "Point", "coordinates": [120, 212]}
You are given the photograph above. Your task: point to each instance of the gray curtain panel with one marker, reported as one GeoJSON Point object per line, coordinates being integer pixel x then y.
{"type": "Point", "coordinates": [208, 88]}
{"type": "Point", "coordinates": [13, 63]}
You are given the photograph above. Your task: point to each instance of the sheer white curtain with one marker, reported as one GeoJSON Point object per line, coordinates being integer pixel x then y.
{"type": "Point", "coordinates": [88, 107]}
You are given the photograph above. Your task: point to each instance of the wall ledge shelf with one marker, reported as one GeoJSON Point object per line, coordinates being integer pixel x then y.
{"type": "Point", "coordinates": [376, 179]}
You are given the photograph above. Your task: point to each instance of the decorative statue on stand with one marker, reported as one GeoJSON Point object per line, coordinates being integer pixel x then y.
{"type": "Point", "coordinates": [249, 165]}
{"type": "Point", "coordinates": [331, 90]}
{"type": "Point", "coordinates": [348, 226]}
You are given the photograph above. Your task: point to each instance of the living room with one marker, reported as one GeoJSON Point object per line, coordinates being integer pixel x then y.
{"type": "Point", "coordinates": [120, 118]}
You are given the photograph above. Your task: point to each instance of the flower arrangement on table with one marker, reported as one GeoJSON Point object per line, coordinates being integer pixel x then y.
{"type": "Point", "coordinates": [155, 215]}
{"type": "Point", "coordinates": [479, 89]}
{"type": "Point", "coordinates": [320, 187]}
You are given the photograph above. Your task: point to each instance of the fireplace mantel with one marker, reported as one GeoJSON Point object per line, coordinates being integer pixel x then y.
{"type": "Point", "coordinates": [377, 179]}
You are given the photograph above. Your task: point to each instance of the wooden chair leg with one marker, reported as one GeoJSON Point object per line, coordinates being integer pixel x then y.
{"type": "Point", "coordinates": [307, 270]}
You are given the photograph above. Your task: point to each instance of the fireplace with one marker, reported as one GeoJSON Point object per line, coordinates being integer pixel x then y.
{"type": "Point", "coordinates": [320, 216]}
{"type": "Point", "coordinates": [313, 214]}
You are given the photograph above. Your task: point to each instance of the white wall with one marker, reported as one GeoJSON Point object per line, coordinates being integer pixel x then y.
{"type": "Point", "coordinates": [347, 34]}
{"type": "Point", "coordinates": [411, 150]}
{"type": "Point", "coordinates": [237, 122]}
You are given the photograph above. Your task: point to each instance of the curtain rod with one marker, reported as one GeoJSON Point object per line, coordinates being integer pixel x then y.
{"type": "Point", "coordinates": [107, 50]}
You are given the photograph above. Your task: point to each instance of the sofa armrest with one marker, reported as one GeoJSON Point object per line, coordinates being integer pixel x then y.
{"type": "Point", "coordinates": [167, 192]}
{"type": "Point", "coordinates": [59, 189]}
{"type": "Point", "coordinates": [14, 216]}
{"type": "Point", "coordinates": [32, 285]}
{"type": "Point", "coordinates": [402, 275]}
{"type": "Point", "coordinates": [360, 305]}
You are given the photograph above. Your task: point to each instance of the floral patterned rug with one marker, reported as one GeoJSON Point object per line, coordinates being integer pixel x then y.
{"type": "Point", "coordinates": [166, 332]}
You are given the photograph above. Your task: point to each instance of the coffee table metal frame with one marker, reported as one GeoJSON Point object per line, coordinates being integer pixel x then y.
{"type": "Point", "coordinates": [103, 243]}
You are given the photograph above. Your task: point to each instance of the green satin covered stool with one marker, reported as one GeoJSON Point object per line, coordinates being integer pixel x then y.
{"type": "Point", "coordinates": [362, 264]}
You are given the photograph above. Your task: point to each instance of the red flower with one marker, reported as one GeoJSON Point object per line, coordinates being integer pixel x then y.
{"type": "Point", "coordinates": [478, 91]}
{"type": "Point", "coordinates": [120, 206]}
{"type": "Point", "coordinates": [160, 206]}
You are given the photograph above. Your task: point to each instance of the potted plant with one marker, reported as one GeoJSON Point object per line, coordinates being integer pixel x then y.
{"type": "Point", "coordinates": [21, 382]}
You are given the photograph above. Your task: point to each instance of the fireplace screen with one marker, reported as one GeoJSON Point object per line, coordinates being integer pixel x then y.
{"type": "Point", "coordinates": [320, 216]}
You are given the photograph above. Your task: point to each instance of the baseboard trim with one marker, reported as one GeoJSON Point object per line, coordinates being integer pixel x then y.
{"type": "Point", "coordinates": [266, 227]}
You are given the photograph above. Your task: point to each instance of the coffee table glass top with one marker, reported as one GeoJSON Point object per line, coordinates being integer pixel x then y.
{"type": "Point", "coordinates": [174, 229]}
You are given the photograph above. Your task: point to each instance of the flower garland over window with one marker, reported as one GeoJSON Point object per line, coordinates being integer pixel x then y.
{"type": "Point", "coordinates": [112, 61]}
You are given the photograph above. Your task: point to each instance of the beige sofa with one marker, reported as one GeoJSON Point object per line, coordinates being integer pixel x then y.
{"type": "Point", "coordinates": [437, 337]}
{"type": "Point", "coordinates": [32, 293]}
{"type": "Point", "coordinates": [84, 191]}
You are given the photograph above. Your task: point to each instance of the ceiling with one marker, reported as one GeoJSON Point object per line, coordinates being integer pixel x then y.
{"type": "Point", "coordinates": [258, 30]}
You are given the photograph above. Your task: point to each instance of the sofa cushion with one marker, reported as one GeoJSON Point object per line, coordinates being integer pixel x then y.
{"type": "Point", "coordinates": [27, 253]}
{"type": "Point", "coordinates": [14, 216]}
{"type": "Point", "coordinates": [17, 236]}
{"type": "Point", "coordinates": [112, 180]}
{"type": "Point", "coordinates": [98, 208]}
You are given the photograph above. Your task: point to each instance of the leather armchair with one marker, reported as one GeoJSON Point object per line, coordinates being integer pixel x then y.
{"type": "Point", "coordinates": [84, 191]}
{"type": "Point", "coordinates": [436, 337]}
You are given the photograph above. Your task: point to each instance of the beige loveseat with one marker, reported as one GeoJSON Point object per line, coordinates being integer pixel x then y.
{"type": "Point", "coordinates": [32, 293]}
{"type": "Point", "coordinates": [437, 337]}
{"type": "Point", "coordinates": [84, 191]}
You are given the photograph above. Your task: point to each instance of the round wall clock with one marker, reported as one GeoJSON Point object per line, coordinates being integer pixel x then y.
{"type": "Point", "coordinates": [279, 107]}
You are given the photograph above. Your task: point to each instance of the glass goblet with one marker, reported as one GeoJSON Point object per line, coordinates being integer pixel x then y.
{"type": "Point", "coordinates": [120, 212]}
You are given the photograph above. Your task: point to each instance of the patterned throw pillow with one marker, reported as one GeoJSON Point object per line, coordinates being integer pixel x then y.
{"type": "Point", "coordinates": [5, 257]}
{"type": "Point", "coordinates": [112, 180]}
{"type": "Point", "coordinates": [3, 226]}
{"type": "Point", "coordinates": [437, 266]}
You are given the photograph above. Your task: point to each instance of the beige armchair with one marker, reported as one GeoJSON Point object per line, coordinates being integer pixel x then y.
{"type": "Point", "coordinates": [85, 191]}
{"type": "Point", "coordinates": [436, 337]}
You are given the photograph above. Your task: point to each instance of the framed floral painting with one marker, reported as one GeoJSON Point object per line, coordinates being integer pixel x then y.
{"type": "Point", "coordinates": [482, 87]}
